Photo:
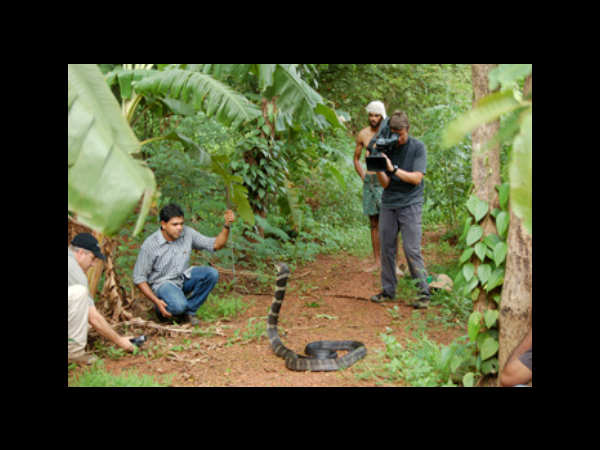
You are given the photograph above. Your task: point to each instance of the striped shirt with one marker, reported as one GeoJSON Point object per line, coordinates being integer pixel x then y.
{"type": "Point", "coordinates": [160, 260]}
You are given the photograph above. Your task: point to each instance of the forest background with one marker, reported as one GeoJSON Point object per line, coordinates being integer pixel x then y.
{"type": "Point", "coordinates": [283, 160]}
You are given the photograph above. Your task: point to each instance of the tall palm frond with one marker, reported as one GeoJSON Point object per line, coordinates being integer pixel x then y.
{"type": "Point", "coordinates": [105, 183]}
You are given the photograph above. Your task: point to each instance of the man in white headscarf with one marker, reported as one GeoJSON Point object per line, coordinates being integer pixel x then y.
{"type": "Point", "coordinates": [371, 187]}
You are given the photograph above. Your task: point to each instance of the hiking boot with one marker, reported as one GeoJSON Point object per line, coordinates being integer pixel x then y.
{"type": "Point", "coordinates": [83, 358]}
{"type": "Point", "coordinates": [159, 316]}
{"type": "Point", "coordinates": [422, 303]}
{"type": "Point", "coordinates": [381, 297]}
{"type": "Point", "coordinates": [162, 319]}
{"type": "Point", "coordinates": [192, 319]}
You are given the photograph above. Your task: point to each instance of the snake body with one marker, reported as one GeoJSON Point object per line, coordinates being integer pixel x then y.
{"type": "Point", "coordinates": [322, 355]}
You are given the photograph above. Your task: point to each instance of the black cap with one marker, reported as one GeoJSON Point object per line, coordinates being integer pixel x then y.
{"type": "Point", "coordinates": [89, 242]}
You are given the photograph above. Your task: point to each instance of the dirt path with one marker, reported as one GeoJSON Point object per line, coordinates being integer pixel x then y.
{"type": "Point", "coordinates": [314, 309]}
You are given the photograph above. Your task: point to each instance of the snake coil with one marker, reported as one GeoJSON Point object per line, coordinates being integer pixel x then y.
{"type": "Point", "coordinates": [322, 355]}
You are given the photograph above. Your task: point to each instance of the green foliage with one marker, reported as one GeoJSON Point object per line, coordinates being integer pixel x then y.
{"type": "Point", "coordinates": [454, 308]}
{"type": "Point", "coordinates": [303, 180]}
{"type": "Point", "coordinates": [105, 349]}
{"type": "Point", "coordinates": [424, 363]}
{"type": "Point", "coordinates": [487, 110]}
{"type": "Point", "coordinates": [225, 308]}
{"type": "Point", "coordinates": [516, 129]}
{"type": "Point", "coordinates": [491, 247]}
{"type": "Point", "coordinates": [296, 99]}
{"type": "Point", "coordinates": [432, 95]}
{"type": "Point", "coordinates": [491, 252]}
{"type": "Point", "coordinates": [521, 170]}
{"type": "Point", "coordinates": [256, 329]}
{"type": "Point", "coordinates": [474, 234]}
{"type": "Point", "coordinates": [202, 92]}
{"type": "Point", "coordinates": [506, 76]}
{"type": "Point", "coordinates": [410, 87]}
{"type": "Point", "coordinates": [478, 208]}
{"type": "Point", "coordinates": [105, 183]}
{"type": "Point", "coordinates": [448, 178]}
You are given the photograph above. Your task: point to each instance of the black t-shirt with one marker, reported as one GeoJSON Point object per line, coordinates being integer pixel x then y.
{"type": "Point", "coordinates": [411, 157]}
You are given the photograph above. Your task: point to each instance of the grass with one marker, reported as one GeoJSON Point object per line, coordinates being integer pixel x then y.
{"type": "Point", "coordinates": [255, 330]}
{"type": "Point", "coordinates": [97, 376]}
{"type": "Point", "coordinates": [420, 363]}
{"type": "Point", "coordinates": [224, 308]}
{"type": "Point", "coordinates": [454, 308]}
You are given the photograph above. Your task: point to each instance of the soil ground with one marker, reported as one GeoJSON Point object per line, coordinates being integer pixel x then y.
{"type": "Point", "coordinates": [326, 299]}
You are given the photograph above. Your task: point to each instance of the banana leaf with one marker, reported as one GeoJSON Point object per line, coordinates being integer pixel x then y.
{"type": "Point", "coordinates": [203, 92]}
{"type": "Point", "coordinates": [105, 183]}
{"type": "Point", "coordinates": [487, 110]}
{"type": "Point", "coordinates": [520, 172]}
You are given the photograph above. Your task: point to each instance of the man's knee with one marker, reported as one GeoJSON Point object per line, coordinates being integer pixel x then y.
{"type": "Point", "coordinates": [77, 318]}
{"type": "Point", "coordinates": [209, 274]}
{"type": "Point", "coordinates": [77, 304]}
{"type": "Point", "coordinates": [213, 274]}
{"type": "Point", "coordinates": [176, 304]}
{"type": "Point", "coordinates": [173, 296]}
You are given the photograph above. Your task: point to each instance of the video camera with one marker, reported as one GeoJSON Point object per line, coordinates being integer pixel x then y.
{"type": "Point", "coordinates": [376, 162]}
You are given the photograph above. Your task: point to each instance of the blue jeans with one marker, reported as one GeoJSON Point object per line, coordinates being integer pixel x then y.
{"type": "Point", "coordinates": [194, 293]}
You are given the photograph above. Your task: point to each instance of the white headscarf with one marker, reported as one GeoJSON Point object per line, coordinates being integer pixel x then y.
{"type": "Point", "coordinates": [376, 107]}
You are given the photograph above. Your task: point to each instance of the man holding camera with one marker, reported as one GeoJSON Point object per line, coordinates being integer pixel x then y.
{"type": "Point", "coordinates": [403, 164]}
{"type": "Point", "coordinates": [372, 190]}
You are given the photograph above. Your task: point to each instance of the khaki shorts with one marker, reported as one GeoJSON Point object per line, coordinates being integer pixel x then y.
{"type": "Point", "coordinates": [78, 309]}
{"type": "Point", "coordinates": [372, 191]}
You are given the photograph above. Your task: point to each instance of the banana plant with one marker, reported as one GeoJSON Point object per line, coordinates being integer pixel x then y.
{"type": "Point", "coordinates": [105, 182]}
{"type": "Point", "coordinates": [127, 78]}
{"type": "Point", "coordinates": [199, 87]}
{"type": "Point", "coordinates": [131, 99]}
{"type": "Point", "coordinates": [297, 103]}
{"type": "Point", "coordinates": [202, 92]}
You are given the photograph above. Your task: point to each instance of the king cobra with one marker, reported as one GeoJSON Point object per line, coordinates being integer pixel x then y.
{"type": "Point", "coordinates": [322, 355]}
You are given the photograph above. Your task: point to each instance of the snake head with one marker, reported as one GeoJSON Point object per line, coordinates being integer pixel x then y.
{"type": "Point", "coordinates": [281, 268]}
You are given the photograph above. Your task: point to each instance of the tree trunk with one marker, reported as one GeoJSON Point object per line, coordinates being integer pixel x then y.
{"type": "Point", "coordinates": [115, 299]}
{"type": "Point", "coordinates": [485, 169]}
{"type": "Point", "coordinates": [515, 307]}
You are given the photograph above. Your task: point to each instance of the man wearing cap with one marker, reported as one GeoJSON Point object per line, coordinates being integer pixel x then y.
{"type": "Point", "coordinates": [81, 310]}
{"type": "Point", "coordinates": [401, 209]}
{"type": "Point", "coordinates": [372, 190]}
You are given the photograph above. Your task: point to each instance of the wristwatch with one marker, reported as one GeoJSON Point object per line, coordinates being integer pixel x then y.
{"type": "Point", "coordinates": [393, 171]}
{"type": "Point", "coordinates": [226, 226]}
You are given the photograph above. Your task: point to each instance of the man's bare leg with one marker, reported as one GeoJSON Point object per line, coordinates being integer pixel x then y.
{"type": "Point", "coordinates": [374, 224]}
